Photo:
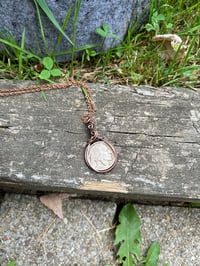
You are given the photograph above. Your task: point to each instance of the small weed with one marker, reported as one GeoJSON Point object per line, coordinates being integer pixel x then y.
{"type": "Point", "coordinates": [16, 61]}
{"type": "Point", "coordinates": [11, 263]}
{"type": "Point", "coordinates": [155, 22]}
{"type": "Point", "coordinates": [90, 53]}
{"type": "Point", "coordinates": [104, 32]}
{"type": "Point", "coordinates": [49, 71]}
{"type": "Point", "coordinates": [128, 237]}
{"type": "Point", "coordinates": [195, 204]}
{"type": "Point", "coordinates": [135, 60]}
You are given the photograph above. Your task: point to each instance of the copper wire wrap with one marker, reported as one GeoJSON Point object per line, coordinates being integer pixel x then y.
{"type": "Point", "coordinates": [87, 119]}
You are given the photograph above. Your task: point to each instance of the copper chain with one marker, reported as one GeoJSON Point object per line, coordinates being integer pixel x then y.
{"type": "Point", "coordinates": [87, 119]}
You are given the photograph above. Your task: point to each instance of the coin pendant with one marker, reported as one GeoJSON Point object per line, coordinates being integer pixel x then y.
{"type": "Point", "coordinates": [100, 156]}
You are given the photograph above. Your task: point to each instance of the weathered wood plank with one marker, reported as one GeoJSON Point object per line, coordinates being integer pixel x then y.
{"type": "Point", "coordinates": [156, 133]}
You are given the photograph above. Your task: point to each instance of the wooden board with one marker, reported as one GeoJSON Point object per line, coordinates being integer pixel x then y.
{"type": "Point", "coordinates": [156, 132]}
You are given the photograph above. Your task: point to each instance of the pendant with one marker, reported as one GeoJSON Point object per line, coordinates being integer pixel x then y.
{"type": "Point", "coordinates": [100, 156]}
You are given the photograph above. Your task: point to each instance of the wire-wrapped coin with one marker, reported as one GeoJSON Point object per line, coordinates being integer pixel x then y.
{"type": "Point", "coordinates": [100, 156]}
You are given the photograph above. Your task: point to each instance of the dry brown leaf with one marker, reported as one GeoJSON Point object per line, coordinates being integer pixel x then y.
{"type": "Point", "coordinates": [171, 44]}
{"type": "Point", "coordinates": [54, 201]}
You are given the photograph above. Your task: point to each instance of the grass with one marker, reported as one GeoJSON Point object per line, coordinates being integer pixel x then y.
{"type": "Point", "coordinates": [135, 61]}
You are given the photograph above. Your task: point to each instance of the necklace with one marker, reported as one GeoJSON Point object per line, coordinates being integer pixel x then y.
{"type": "Point", "coordinates": [100, 155]}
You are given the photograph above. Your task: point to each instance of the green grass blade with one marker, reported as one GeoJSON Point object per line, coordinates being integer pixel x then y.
{"type": "Point", "coordinates": [9, 37]}
{"type": "Point", "coordinates": [18, 48]}
{"type": "Point", "coordinates": [79, 49]}
{"type": "Point", "coordinates": [64, 25]}
{"type": "Point", "coordinates": [195, 204]}
{"type": "Point", "coordinates": [84, 91]}
{"type": "Point", "coordinates": [76, 12]}
{"type": "Point", "coordinates": [191, 47]}
{"type": "Point", "coordinates": [43, 5]}
{"type": "Point", "coordinates": [20, 65]}
{"type": "Point", "coordinates": [41, 27]}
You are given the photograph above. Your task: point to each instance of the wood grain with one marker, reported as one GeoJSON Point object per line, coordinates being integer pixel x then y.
{"type": "Point", "coordinates": [156, 132]}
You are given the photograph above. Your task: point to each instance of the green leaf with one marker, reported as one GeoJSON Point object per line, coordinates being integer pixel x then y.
{"type": "Point", "coordinates": [12, 263]}
{"type": "Point", "coordinates": [45, 74]}
{"type": "Point", "coordinates": [56, 72]}
{"type": "Point", "coordinates": [90, 53]}
{"type": "Point", "coordinates": [112, 35]}
{"type": "Point", "coordinates": [106, 27]}
{"type": "Point", "coordinates": [188, 73]}
{"type": "Point", "coordinates": [152, 255]}
{"type": "Point", "coordinates": [149, 27]}
{"type": "Point", "coordinates": [160, 17]}
{"type": "Point", "coordinates": [48, 62]}
{"type": "Point", "coordinates": [128, 235]}
{"type": "Point", "coordinates": [101, 32]}
{"type": "Point", "coordinates": [195, 204]}
{"type": "Point", "coordinates": [105, 32]}
{"type": "Point", "coordinates": [169, 26]}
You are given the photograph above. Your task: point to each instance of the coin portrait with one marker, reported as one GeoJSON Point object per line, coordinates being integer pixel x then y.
{"type": "Point", "coordinates": [100, 156]}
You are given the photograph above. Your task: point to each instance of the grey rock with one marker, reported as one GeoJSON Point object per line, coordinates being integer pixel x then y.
{"type": "Point", "coordinates": [16, 16]}
{"type": "Point", "coordinates": [32, 235]}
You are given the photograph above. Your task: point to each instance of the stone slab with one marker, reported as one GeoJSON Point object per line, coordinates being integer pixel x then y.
{"type": "Point", "coordinates": [32, 235]}
{"type": "Point", "coordinates": [155, 132]}
{"type": "Point", "coordinates": [176, 229]}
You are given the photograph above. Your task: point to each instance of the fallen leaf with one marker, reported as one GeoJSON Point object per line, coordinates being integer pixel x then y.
{"type": "Point", "coordinates": [54, 201]}
{"type": "Point", "coordinates": [172, 44]}
{"type": "Point", "coordinates": [168, 218]}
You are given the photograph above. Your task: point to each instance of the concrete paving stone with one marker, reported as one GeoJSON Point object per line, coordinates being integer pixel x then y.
{"type": "Point", "coordinates": [176, 228]}
{"type": "Point", "coordinates": [33, 236]}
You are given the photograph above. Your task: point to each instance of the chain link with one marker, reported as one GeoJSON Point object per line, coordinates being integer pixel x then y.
{"type": "Point", "coordinates": [87, 119]}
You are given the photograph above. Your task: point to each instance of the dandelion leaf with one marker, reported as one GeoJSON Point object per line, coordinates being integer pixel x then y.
{"type": "Point", "coordinates": [153, 255]}
{"type": "Point", "coordinates": [128, 236]}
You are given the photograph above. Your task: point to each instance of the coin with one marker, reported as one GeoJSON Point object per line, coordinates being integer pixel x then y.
{"type": "Point", "coordinates": [100, 156]}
